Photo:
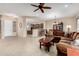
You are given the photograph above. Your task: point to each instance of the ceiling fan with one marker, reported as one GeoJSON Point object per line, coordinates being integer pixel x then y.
{"type": "Point", "coordinates": [41, 7]}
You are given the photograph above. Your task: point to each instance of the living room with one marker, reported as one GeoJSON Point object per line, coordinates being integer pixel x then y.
{"type": "Point", "coordinates": [51, 29]}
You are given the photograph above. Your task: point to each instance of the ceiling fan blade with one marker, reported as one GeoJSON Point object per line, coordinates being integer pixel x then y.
{"type": "Point", "coordinates": [41, 4]}
{"type": "Point", "coordinates": [42, 10]}
{"type": "Point", "coordinates": [46, 7]}
{"type": "Point", "coordinates": [34, 5]}
{"type": "Point", "coordinates": [36, 10]}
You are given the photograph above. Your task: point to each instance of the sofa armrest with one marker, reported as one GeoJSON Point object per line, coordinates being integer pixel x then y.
{"type": "Point", "coordinates": [62, 48]}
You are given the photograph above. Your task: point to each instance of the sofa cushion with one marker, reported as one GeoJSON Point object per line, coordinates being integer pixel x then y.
{"type": "Point", "coordinates": [65, 41]}
{"type": "Point", "coordinates": [72, 52]}
{"type": "Point", "coordinates": [74, 36]}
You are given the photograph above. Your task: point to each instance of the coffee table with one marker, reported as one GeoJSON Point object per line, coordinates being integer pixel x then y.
{"type": "Point", "coordinates": [46, 42]}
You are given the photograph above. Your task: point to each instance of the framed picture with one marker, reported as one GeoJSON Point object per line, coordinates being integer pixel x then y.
{"type": "Point", "coordinates": [20, 25]}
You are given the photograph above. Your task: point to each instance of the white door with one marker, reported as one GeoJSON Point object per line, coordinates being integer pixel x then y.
{"type": "Point", "coordinates": [8, 28]}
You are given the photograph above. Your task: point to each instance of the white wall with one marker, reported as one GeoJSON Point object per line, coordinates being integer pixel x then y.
{"type": "Point", "coordinates": [21, 27]}
{"type": "Point", "coordinates": [66, 21]}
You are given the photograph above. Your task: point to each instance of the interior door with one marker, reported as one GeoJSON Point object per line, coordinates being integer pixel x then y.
{"type": "Point", "coordinates": [8, 28]}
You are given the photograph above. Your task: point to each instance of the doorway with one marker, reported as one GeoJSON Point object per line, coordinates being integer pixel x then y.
{"type": "Point", "coordinates": [9, 28]}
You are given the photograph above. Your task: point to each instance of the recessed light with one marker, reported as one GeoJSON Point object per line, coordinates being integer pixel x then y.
{"type": "Point", "coordinates": [66, 6]}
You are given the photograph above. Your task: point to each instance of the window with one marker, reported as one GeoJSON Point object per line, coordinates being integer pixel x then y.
{"type": "Point", "coordinates": [77, 25]}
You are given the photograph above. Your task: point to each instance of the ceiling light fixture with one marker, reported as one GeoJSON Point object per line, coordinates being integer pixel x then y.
{"type": "Point", "coordinates": [55, 21]}
{"type": "Point", "coordinates": [66, 6]}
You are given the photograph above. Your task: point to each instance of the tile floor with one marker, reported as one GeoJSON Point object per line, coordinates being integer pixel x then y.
{"type": "Point", "coordinates": [14, 46]}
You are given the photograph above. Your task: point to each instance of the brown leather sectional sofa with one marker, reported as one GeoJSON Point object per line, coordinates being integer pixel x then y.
{"type": "Point", "coordinates": [64, 44]}
{"type": "Point", "coordinates": [65, 41]}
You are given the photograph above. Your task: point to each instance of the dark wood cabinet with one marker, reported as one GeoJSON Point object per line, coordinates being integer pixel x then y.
{"type": "Point", "coordinates": [58, 26]}
{"type": "Point", "coordinates": [58, 29]}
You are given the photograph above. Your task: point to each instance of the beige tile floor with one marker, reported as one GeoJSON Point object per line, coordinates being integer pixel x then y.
{"type": "Point", "coordinates": [14, 46]}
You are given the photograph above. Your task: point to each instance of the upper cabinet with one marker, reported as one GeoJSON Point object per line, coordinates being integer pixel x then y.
{"type": "Point", "coordinates": [37, 26]}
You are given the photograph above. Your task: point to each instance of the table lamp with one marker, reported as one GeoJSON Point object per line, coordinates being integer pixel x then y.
{"type": "Point", "coordinates": [68, 28]}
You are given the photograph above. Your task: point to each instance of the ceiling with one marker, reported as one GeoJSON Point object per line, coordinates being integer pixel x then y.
{"type": "Point", "coordinates": [25, 9]}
